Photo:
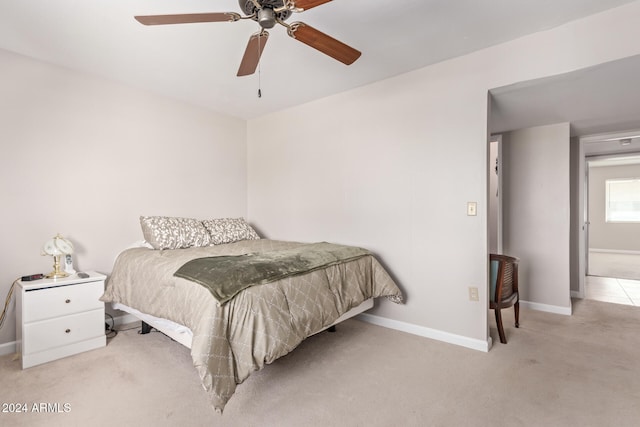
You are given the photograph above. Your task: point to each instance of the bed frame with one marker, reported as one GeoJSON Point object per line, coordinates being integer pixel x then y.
{"type": "Point", "coordinates": [184, 336]}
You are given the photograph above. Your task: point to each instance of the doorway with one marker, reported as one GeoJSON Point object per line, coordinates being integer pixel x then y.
{"type": "Point", "coordinates": [611, 230]}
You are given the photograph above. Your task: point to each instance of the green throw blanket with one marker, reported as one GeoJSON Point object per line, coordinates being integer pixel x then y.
{"type": "Point", "coordinates": [226, 276]}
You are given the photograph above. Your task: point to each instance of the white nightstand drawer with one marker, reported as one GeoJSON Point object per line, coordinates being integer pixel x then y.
{"type": "Point", "coordinates": [62, 300]}
{"type": "Point", "coordinates": [61, 331]}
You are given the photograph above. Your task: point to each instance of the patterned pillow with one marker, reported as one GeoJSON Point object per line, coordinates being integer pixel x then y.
{"type": "Point", "coordinates": [229, 230]}
{"type": "Point", "coordinates": [164, 232]}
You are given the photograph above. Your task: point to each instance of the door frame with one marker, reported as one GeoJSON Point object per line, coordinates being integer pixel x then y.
{"type": "Point", "coordinates": [495, 167]}
{"type": "Point", "coordinates": [607, 144]}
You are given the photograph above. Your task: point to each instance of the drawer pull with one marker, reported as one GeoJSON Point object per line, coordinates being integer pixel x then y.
{"type": "Point", "coordinates": [67, 331]}
{"type": "Point", "coordinates": [67, 301]}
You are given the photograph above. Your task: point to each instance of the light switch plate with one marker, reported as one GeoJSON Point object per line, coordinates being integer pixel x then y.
{"type": "Point", "coordinates": [472, 208]}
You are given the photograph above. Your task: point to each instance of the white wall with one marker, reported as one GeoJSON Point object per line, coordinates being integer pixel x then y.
{"type": "Point", "coordinates": [377, 168]}
{"type": "Point", "coordinates": [536, 207]}
{"type": "Point", "coordinates": [604, 235]}
{"type": "Point", "coordinates": [389, 166]}
{"type": "Point", "coordinates": [86, 157]}
{"type": "Point", "coordinates": [392, 165]}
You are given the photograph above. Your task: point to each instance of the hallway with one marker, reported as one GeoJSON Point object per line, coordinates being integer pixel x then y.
{"type": "Point", "coordinates": [613, 277]}
{"type": "Point", "coordinates": [609, 289]}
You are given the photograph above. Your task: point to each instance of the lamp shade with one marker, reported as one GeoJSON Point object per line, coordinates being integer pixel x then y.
{"type": "Point", "coordinates": [57, 246]}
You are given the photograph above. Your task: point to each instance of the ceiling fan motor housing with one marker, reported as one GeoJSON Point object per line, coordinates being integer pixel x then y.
{"type": "Point", "coordinates": [266, 16]}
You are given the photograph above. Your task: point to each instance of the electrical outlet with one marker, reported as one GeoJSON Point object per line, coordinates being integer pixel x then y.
{"type": "Point", "coordinates": [473, 294]}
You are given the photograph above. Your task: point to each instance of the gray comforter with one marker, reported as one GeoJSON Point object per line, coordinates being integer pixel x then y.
{"type": "Point", "coordinates": [257, 326]}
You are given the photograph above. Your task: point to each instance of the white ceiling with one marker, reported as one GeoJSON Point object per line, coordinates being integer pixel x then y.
{"type": "Point", "coordinates": [197, 63]}
{"type": "Point", "coordinates": [595, 100]}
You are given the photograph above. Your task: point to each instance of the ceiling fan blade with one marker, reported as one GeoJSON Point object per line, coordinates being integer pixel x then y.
{"type": "Point", "coordinates": [324, 43]}
{"type": "Point", "coordinates": [308, 4]}
{"type": "Point", "coordinates": [189, 18]}
{"type": "Point", "coordinates": [252, 53]}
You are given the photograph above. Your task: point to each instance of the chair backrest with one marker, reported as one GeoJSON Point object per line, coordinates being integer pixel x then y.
{"type": "Point", "coordinates": [504, 277]}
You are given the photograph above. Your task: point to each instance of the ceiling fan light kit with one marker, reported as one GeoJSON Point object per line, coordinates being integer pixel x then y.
{"type": "Point", "coordinates": [266, 18]}
{"type": "Point", "coordinates": [267, 13]}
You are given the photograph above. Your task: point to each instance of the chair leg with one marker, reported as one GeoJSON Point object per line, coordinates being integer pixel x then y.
{"type": "Point", "coordinates": [516, 308]}
{"type": "Point", "coordinates": [503, 339]}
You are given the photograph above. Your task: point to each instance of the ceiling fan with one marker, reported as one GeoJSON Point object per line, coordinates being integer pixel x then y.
{"type": "Point", "coordinates": [267, 13]}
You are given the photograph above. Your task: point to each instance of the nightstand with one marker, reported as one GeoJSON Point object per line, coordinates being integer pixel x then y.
{"type": "Point", "coordinates": [57, 318]}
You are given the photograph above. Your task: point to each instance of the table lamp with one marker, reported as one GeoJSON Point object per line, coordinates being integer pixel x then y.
{"type": "Point", "coordinates": [56, 247]}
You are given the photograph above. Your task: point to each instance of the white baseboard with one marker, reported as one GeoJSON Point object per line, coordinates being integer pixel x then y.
{"type": "Point", "coordinates": [427, 332]}
{"type": "Point", "coordinates": [546, 307]}
{"type": "Point", "coordinates": [453, 338]}
{"type": "Point", "coordinates": [7, 348]}
{"type": "Point", "coordinates": [615, 251]}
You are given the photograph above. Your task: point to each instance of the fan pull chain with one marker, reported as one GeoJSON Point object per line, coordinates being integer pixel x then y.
{"type": "Point", "coordinates": [259, 80]}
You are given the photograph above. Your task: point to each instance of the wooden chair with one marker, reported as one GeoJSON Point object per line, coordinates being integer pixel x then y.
{"type": "Point", "coordinates": [503, 289]}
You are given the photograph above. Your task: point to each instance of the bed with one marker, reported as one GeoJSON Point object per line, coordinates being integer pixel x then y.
{"type": "Point", "coordinates": [230, 339]}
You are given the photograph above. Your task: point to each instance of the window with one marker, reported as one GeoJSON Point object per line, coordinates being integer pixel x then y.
{"type": "Point", "coordinates": [623, 200]}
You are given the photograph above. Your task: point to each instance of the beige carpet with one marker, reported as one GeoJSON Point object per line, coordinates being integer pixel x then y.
{"type": "Point", "coordinates": [580, 370]}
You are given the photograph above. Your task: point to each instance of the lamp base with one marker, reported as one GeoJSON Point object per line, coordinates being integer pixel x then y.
{"type": "Point", "coordinates": [56, 275]}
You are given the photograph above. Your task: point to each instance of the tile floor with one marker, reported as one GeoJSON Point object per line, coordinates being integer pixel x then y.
{"type": "Point", "coordinates": [619, 291]}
